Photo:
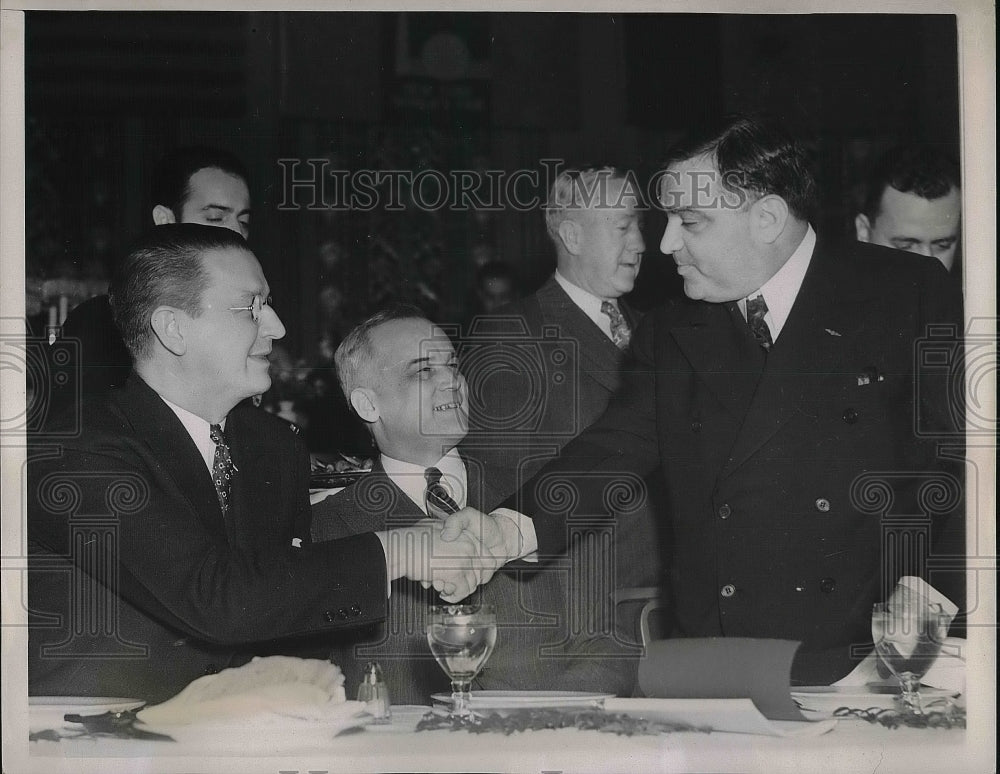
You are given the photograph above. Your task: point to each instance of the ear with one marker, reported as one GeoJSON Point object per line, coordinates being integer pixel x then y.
{"type": "Point", "coordinates": [770, 216]}
{"type": "Point", "coordinates": [167, 329]}
{"type": "Point", "coordinates": [163, 215]}
{"type": "Point", "coordinates": [363, 402]}
{"type": "Point", "coordinates": [569, 233]}
{"type": "Point", "coordinates": [863, 228]}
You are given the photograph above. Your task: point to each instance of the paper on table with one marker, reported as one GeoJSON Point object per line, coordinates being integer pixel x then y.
{"type": "Point", "coordinates": [738, 716]}
{"type": "Point", "coordinates": [723, 668]}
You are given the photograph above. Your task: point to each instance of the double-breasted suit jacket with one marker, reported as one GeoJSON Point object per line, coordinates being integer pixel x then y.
{"type": "Point", "coordinates": [138, 585]}
{"type": "Point", "coordinates": [793, 480]}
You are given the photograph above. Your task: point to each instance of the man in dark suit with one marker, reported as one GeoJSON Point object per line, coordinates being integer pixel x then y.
{"type": "Point", "coordinates": [400, 374]}
{"type": "Point", "coordinates": [544, 368]}
{"type": "Point", "coordinates": [789, 409]}
{"type": "Point", "coordinates": [169, 533]}
{"type": "Point", "coordinates": [190, 185]}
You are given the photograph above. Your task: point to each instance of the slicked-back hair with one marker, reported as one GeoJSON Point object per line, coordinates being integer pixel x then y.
{"type": "Point", "coordinates": [580, 187]}
{"type": "Point", "coordinates": [172, 177]}
{"type": "Point", "coordinates": [164, 267]}
{"type": "Point", "coordinates": [356, 352]}
{"type": "Point", "coordinates": [921, 170]}
{"type": "Point", "coordinates": [755, 157]}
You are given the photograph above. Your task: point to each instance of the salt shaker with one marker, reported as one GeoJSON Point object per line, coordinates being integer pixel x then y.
{"type": "Point", "coordinates": [375, 693]}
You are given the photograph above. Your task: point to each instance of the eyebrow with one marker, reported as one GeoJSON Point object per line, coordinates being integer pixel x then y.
{"type": "Point", "coordinates": [224, 208]}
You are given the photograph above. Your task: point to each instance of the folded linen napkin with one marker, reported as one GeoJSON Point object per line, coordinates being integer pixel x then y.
{"type": "Point", "coordinates": [284, 686]}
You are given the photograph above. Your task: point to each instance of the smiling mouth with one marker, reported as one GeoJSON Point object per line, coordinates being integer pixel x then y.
{"type": "Point", "coordinates": [448, 406]}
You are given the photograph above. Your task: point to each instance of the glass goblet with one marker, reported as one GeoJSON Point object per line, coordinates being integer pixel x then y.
{"type": "Point", "coordinates": [461, 637]}
{"type": "Point", "coordinates": [908, 639]}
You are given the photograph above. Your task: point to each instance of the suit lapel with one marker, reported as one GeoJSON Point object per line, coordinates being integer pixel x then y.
{"type": "Point", "coordinates": [716, 343]}
{"type": "Point", "coordinates": [380, 504]}
{"type": "Point", "coordinates": [815, 347]}
{"type": "Point", "coordinates": [599, 358]}
{"type": "Point", "coordinates": [173, 449]}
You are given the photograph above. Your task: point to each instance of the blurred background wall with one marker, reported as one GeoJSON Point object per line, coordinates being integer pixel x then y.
{"type": "Point", "coordinates": [108, 93]}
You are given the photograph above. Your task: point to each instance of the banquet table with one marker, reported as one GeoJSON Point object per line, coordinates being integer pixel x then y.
{"type": "Point", "coordinates": [852, 745]}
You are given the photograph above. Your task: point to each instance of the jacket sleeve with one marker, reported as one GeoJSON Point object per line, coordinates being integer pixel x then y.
{"type": "Point", "coordinates": [120, 518]}
{"type": "Point", "coordinates": [601, 470]}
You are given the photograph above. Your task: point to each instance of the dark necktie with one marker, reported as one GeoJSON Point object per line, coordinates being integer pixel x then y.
{"type": "Point", "coordinates": [756, 309]}
{"type": "Point", "coordinates": [222, 468]}
{"type": "Point", "coordinates": [620, 332]}
{"type": "Point", "coordinates": [439, 502]}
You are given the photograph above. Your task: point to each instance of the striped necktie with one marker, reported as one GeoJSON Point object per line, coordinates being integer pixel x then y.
{"type": "Point", "coordinates": [439, 502]}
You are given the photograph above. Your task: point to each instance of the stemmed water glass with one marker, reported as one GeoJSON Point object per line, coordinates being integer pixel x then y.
{"type": "Point", "coordinates": [908, 634]}
{"type": "Point", "coordinates": [461, 637]}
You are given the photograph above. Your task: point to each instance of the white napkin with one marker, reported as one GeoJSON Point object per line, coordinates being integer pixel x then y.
{"type": "Point", "coordinates": [948, 670]}
{"type": "Point", "coordinates": [283, 686]}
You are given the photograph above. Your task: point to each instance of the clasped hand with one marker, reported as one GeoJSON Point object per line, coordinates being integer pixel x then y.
{"type": "Point", "coordinates": [454, 556]}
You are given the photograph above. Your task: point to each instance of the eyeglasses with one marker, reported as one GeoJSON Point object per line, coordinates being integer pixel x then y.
{"type": "Point", "coordinates": [256, 307]}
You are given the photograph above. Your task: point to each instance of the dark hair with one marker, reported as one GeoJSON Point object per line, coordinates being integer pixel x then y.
{"type": "Point", "coordinates": [163, 267]}
{"type": "Point", "coordinates": [172, 177]}
{"type": "Point", "coordinates": [921, 170]}
{"type": "Point", "coordinates": [755, 157]}
{"type": "Point", "coordinates": [356, 350]}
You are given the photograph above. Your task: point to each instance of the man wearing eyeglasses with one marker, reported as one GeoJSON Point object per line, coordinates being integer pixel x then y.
{"type": "Point", "coordinates": [190, 185]}
{"type": "Point", "coordinates": [169, 536]}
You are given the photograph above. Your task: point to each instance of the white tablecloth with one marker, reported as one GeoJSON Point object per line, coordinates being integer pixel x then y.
{"type": "Point", "coordinates": [853, 745]}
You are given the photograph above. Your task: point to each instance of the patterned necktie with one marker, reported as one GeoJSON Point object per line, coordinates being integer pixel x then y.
{"type": "Point", "coordinates": [222, 468]}
{"type": "Point", "coordinates": [620, 332]}
{"type": "Point", "coordinates": [439, 502]}
{"type": "Point", "coordinates": [756, 309]}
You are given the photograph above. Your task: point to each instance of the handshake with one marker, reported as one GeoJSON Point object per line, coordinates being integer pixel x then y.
{"type": "Point", "coordinates": [456, 554]}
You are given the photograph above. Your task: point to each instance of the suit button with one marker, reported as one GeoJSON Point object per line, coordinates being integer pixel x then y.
{"type": "Point", "coordinates": [850, 416]}
{"type": "Point", "coordinates": [696, 427]}
{"type": "Point", "coordinates": [328, 616]}
{"type": "Point", "coordinates": [822, 505]}
{"type": "Point", "coordinates": [341, 614]}
{"type": "Point", "coordinates": [728, 590]}
{"type": "Point", "coordinates": [827, 585]}
{"type": "Point", "coordinates": [355, 610]}
{"type": "Point", "coordinates": [725, 512]}
{"type": "Point", "coordinates": [211, 669]}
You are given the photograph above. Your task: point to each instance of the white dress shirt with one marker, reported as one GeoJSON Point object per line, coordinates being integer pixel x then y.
{"type": "Point", "coordinates": [199, 430]}
{"type": "Point", "coordinates": [782, 289]}
{"type": "Point", "coordinates": [589, 304]}
{"type": "Point", "coordinates": [410, 478]}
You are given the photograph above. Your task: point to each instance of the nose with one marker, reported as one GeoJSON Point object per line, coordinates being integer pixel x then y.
{"type": "Point", "coordinates": [672, 241]}
{"type": "Point", "coordinates": [271, 326]}
{"type": "Point", "coordinates": [636, 243]}
{"type": "Point", "coordinates": [922, 249]}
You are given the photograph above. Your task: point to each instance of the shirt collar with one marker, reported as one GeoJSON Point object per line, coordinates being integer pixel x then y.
{"type": "Point", "coordinates": [589, 304]}
{"type": "Point", "coordinates": [198, 429]}
{"type": "Point", "coordinates": [410, 477]}
{"type": "Point", "coordinates": [782, 289]}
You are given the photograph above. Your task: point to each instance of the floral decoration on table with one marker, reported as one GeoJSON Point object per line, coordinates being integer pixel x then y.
{"type": "Point", "coordinates": [540, 719]}
{"type": "Point", "coordinates": [120, 725]}
{"type": "Point", "coordinates": [949, 716]}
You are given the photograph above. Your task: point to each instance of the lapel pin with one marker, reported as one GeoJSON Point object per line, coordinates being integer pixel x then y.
{"type": "Point", "coordinates": [831, 331]}
{"type": "Point", "coordinates": [869, 375]}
